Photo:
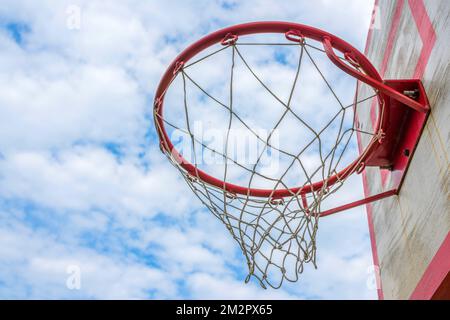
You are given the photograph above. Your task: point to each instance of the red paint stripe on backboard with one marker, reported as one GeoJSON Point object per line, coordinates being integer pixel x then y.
{"type": "Point", "coordinates": [387, 55]}
{"type": "Point", "coordinates": [366, 190]}
{"type": "Point", "coordinates": [372, 25]}
{"type": "Point", "coordinates": [427, 34]}
{"type": "Point", "coordinates": [388, 51]}
{"type": "Point", "coordinates": [436, 272]}
{"type": "Point", "coordinates": [373, 243]}
{"type": "Point", "coordinates": [391, 37]}
{"type": "Point", "coordinates": [368, 41]}
{"type": "Point", "coordinates": [428, 37]}
{"type": "Point", "coordinates": [439, 266]}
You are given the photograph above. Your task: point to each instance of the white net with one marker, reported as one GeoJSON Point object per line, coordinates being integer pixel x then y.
{"type": "Point", "coordinates": [277, 235]}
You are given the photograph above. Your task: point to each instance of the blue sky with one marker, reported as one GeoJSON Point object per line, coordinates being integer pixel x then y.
{"type": "Point", "coordinates": [82, 181]}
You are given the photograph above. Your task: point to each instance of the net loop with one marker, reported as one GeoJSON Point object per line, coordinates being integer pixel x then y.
{"type": "Point", "coordinates": [229, 40]}
{"type": "Point", "coordinates": [158, 103]}
{"type": "Point", "coordinates": [230, 195]}
{"type": "Point", "coordinates": [381, 135]}
{"type": "Point", "coordinates": [295, 36]}
{"type": "Point", "coordinates": [350, 57]}
{"type": "Point", "coordinates": [360, 168]}
{"type": "Point", "coordinates": [161, 147]}
{"type": "Point", "coordinates": [192, 178]}
{"type": "Point", "coordinates": [277, 201]}
{"type": "Point", "coordinates": [178, 66]}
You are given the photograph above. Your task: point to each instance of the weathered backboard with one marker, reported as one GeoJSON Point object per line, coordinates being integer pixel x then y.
{"type": "Point", "coordinates": [410, 232]}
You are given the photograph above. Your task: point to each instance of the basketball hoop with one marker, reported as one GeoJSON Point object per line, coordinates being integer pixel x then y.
{"type": "Point", "coordinates": [276, 227]}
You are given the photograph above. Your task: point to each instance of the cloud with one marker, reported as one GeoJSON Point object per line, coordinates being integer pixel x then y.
{"type": "Point", "coordinates": [90, 103]}
{"type": "Point", "coordinates": [34, 265]}
{"type": "Point", "coordinates": [206, 286]}
{"type": "Point", "coordinates": [84, 178]}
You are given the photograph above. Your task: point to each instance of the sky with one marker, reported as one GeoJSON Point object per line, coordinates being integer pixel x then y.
{"type": "Point", "coordinates": [89, 207]}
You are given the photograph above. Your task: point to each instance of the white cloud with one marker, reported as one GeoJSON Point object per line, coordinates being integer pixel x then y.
{"type": "Point", "coordinates": [34, 265]}
{"type": "Point", "coordinates": [87, 104]}
{"type": "Point", "coordinates": [206, 286]}
{"type": "Point", "coordinates": [86, 178]}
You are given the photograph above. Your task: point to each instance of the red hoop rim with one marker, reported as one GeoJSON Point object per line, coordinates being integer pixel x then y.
{"type": "Point", "coordinates": [286, 28]}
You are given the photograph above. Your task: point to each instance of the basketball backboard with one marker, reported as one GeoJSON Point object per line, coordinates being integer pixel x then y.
{"type": "Point", "coordinates": [410, 232]}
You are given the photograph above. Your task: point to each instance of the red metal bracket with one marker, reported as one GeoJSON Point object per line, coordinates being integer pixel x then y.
{"type": "Point", "coordinates": [358, 203]}
{"type": "Point", "coordinates": [404, 126]}
{"type": "Point", "coordinates": [382, 87]}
